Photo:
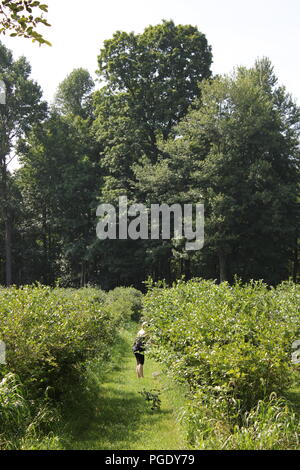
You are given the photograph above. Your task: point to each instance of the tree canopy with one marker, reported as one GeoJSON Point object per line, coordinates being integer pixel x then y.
{"type": "Point", "coordinates": [238, 153]}
{"type": "Point", "coordinates": [158, 71]}
{"type": "Point", "coordinates": [74, 93]}
{"type": "Point", "coordinates": [160, 130]}
{"type": "Point", "coordinates": [22, 109]}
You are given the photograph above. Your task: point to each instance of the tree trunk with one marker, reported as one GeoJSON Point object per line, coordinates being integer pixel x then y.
{"type": "Point", "coordinates": [296, 260]}
{"type": "Point", "coordinates": [83, 274]}
{"type": "Point", "coordinates": [187, 269]}
{"type": "Point", "coordinates": [223, 266]}
{"type": "Point", "coordinates": [8, 250]}
{"type": "Point", "coordinates": [7, 223]}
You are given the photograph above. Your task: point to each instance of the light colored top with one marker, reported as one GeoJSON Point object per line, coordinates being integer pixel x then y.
{"type": "Point", "coordinates": [142, 332]}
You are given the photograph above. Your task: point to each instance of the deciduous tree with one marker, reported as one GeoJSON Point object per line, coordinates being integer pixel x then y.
{"type": "Point", "coordinates": [238, 152]}
{"type": "Point", "coordinates": [23, 108]}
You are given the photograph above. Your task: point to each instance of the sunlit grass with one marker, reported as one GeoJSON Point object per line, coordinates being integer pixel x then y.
{"type": "Point", "coordinates": [119, 417]}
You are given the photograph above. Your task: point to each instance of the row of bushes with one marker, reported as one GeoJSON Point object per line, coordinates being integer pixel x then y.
{"type": "Point", "coordinates": [50, 334]}
{"type": "Point", "coordinates": [232, 346]}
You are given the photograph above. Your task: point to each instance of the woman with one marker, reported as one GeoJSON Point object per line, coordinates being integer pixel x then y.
{"type": "Point", "coordinates": [139, 351]}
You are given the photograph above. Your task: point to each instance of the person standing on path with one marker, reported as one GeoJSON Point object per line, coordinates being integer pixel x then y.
{"type": "Point", "coordinates": [139, 351]}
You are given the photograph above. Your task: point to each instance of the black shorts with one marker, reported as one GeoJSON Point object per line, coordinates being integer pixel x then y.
{"type": "Point", "coordinates": [140, 358]}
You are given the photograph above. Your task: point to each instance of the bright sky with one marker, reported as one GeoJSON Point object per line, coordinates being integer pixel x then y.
{"type": "Point", "coordinates": [239, 31]}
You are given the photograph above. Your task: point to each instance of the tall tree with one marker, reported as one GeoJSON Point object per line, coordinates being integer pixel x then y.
{"type": "Point", "coordinates": [74, 94]}
{"type": "Point", "coordinates": [59, 181]}
{"type": "Point", "coordinates": [158, 72]}
{"type": "Point", "coordinates": [238, 152]}
{"type": "Point", "coordinates": [23, 108]}
{"type": "Point", "coordinates": [151, 79]}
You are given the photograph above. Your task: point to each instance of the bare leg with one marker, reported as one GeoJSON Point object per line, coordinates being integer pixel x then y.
{"type": "Point", "coordinates": [140, 371]}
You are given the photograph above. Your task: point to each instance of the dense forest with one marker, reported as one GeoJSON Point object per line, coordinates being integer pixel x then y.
{"type": "Point", "coordinates": [158, 128]}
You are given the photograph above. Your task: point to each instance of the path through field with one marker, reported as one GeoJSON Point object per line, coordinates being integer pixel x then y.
{"type": "Point", "coordinates": [120, 418]}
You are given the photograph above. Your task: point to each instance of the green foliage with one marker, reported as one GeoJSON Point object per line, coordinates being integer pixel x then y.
{"type": "Point", "coordinates": [158, 71]}
{"type": "Point", "coordinates": [152, 398]}
{"type": "Point", "coordinates": [23, 106]}
{"type": "Point", "coordinates": [150, 81]}
{"type": "Point", "coordinates": [127, 301]}
{"type": "Point", "coordinates": [49, 332]}
{"type": "Point", "coordinates": [161, 130]}
{"type": "Point", "coordinates": [22, 110]}
{"type": "Point", "coordinates": [59, 183]}
{"type": "Point", "coordinates": [22, 17]}
{"type": "Point", "coordinates": [237, 152]}
{"type": "Point", "coordinates": [231, 345]}
{"type": "Point", "coordinates": [51, 337]}
{"type": "Point", "coordinates": [74, 93]}
{"type": "Point", "coordinates": [22, 419]}
{"type": "Point", "coordinates": [270, 425]}
{"type": "Point", "coordinates": [14, 408]}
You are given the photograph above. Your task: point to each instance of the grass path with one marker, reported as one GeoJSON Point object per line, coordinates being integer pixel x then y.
{"type": "Point", "coordinates": [119, 418]}
{"type": "Point", "coordinates": [113, 415]}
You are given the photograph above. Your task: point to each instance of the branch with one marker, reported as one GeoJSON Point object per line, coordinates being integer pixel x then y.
{"type": "Point", "coordinates": [21, 18]}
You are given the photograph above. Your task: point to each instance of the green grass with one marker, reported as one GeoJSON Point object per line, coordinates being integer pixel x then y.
{"type": "Point", "coordinates": [113, 415]}
{"type": "Point", "coordinates": [294, 397]}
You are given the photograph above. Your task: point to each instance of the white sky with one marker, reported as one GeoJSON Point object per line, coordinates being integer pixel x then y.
{"type": "Point", "coordinates": [239, 31]}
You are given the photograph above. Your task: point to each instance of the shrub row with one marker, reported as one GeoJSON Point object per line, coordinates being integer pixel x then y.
{"type": "Point", "coordinates": [232, 345]}
{"type": "Point", "coordinates": [50, 334]}
{"type": "Point", "coordinates": [49, 331]}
